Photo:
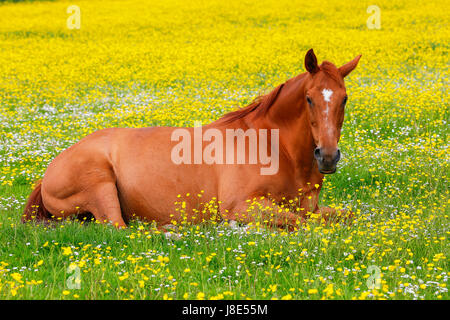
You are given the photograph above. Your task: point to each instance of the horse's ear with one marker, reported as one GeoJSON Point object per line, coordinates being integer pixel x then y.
{"type": "Point", "coordinates": [349, 66]}
{"type": "Point", "coordinates": [311, 62]}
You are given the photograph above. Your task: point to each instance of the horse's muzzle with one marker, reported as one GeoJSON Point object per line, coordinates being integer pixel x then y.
{"type": "Point", "coordinates": [327, 161]}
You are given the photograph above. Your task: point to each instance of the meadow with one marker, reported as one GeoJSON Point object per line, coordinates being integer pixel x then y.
{"type": "Point", "coordinates": [170, 63]}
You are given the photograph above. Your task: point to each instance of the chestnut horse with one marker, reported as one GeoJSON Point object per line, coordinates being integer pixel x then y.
{"type": "Point", "coordinates": [115, 173]}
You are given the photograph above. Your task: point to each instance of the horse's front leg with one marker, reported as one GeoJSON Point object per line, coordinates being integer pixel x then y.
{"type": "Point", "coordinates": [334, 215]}
{"type": "Point", "coordinates": [264, 211]}
{"type": "Point", "coordinates": [309, 207]}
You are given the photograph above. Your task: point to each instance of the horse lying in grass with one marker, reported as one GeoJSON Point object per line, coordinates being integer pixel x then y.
{"type": "Point", "coordinates": [114, 174]}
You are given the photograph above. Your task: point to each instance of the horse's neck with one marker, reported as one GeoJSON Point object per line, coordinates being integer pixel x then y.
{"type": "Point", "coordinates": [299, 144]}
{"type": "Point", "coordinates": [289, 115]}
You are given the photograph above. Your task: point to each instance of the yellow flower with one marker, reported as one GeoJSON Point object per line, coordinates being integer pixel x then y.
{"type": "Point", "coordinates": [66, 251]}
{"type": "Point", "coordinates": [200, 296]}
{"type": "Point", "coordinates": [17, 276]}
{"type": "Point", "coordinates": [328, 290]}
{"type": "Point", "coordinates": [125, 276]}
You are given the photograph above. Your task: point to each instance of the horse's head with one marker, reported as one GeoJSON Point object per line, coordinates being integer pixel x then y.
{"type": "Point", "coordinates": [325, 98]}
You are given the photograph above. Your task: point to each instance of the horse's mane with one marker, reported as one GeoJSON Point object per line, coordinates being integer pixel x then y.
{"type": "Point", "coordinates": [259, 106]}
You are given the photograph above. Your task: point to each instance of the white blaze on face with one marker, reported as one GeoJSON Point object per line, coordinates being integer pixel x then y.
{"type": "Point", "coordinates": [327, 93]}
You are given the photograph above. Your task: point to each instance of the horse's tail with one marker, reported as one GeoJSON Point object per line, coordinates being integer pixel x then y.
{"type": "Point", "coordinates": [34, 209]}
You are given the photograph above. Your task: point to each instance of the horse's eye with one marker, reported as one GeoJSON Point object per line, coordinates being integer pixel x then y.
{"type": "Point", "coordinates": [344, 102]}
{"type": "Point", "coordinates": [308, 99]}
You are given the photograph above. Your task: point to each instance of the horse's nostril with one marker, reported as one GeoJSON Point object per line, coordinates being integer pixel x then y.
{"type": "Point", "coordinates": [338, 155]}
{"type": "Point", "coordinates": [317, 153]}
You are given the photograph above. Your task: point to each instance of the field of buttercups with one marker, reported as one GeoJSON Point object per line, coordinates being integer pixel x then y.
{"type": "Point", "coordinates": [170, 63]}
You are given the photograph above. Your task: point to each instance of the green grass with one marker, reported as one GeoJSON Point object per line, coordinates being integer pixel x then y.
{"type": "Point", "coordinates": [136, 252]}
